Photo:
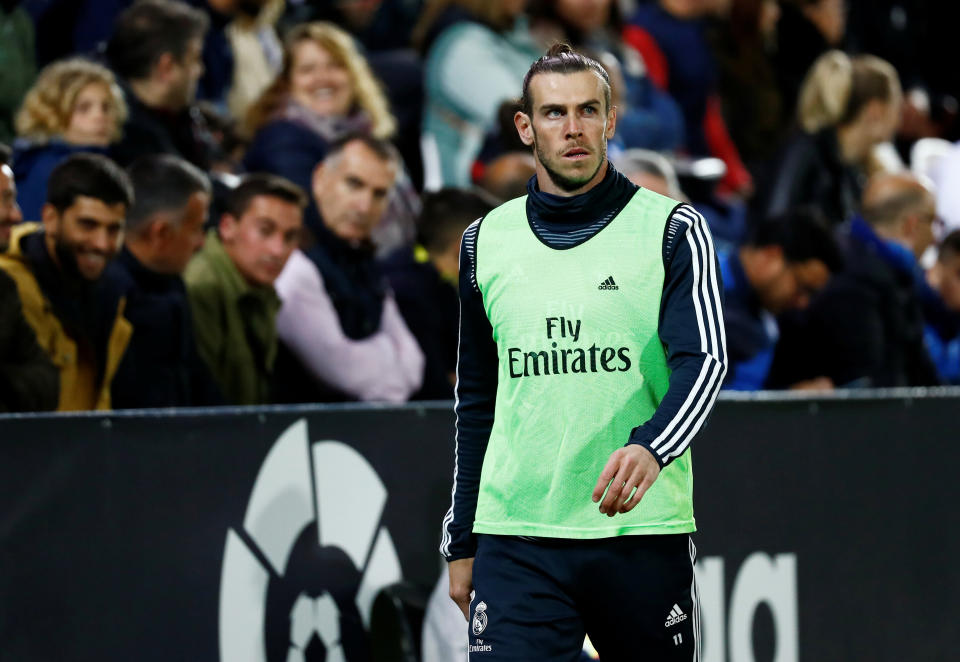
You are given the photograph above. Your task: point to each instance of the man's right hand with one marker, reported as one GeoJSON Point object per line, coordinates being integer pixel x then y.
{"type": "Point", "coordinates": [461, 584]}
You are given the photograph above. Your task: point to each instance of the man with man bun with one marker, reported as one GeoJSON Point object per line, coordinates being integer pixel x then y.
{"type": "Point", "coordinates": [592, 349]}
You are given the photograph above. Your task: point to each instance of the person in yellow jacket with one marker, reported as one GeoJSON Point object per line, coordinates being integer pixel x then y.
{"type": "Point", "coordinates": [57, 267]}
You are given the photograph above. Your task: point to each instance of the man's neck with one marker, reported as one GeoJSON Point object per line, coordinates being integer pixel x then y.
{"type": "Point", "coordinates": [151, 94]}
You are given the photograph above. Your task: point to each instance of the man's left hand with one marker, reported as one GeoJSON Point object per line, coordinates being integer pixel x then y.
{"type": "Point", "coordinates": [629, 467]}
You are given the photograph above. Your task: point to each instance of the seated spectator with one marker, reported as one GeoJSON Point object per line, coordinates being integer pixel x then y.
{"type": "Point", "coordinates": [424, 280]}
{"type": "Point", "coordinates": [806, 30]}
{"type": "Point", "coordinates": [18, 55]}
{"type": "Point", "coordinates": [338, 320]}
{"type": "Point", "coordinates": [75, 106]}
{"type": "Point", "coordinates": [230, 285]}
{"type": "Point", "coordinates": [650, 170]}
{"type": "Point", "coordinates": [784, 262]}
{"type": "Point", "coordinates": [10, 214]}
{"type": "Point", "coordinates": [76, 314]}
{"type": "Point", "coordinates": [647, 117]}
{"type": "Point", "coordinates": [476, 55]}
{"type": "Point", "coordinates": [28, 380]}
{"type": "Point", "coordinates": [155, 50]}
{"type": "Point", "coordinates": [749, 93]}
{"type": "Point", "coordinates": [161, 367]}
{"type": "Point", "coordinates": [866, 328]}
{"type": "Point", "coordinates": [672, 37]}
{"type": "Point", "coordinates": [506, 176]}
{"type": "Point", "coordinates": [848, 106]}
{"type": "Point", "coordinates": [942, 333]}
{"type": "Point", "coordinates": [324, 91]}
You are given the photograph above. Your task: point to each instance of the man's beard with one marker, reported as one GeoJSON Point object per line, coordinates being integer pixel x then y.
{"type": "Point", "coordinates": [67, 259]}
{"type": "Point", "coordinates": [565, 183]}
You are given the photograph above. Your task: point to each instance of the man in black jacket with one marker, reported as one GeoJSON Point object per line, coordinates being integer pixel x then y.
{"type": "Point", "coordinates": [866, 328]}
{"type": "Point", "coordinates": [161, 367]}
{"type": "Point", "coordinates": [156, 50]}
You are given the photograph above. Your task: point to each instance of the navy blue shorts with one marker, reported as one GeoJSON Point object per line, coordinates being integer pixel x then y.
{"type": "Point", "coordinates": [536, 598]}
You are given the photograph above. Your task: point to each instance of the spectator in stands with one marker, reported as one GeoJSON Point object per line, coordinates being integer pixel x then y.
{"type": "Point", "coordinates": [806, 30]}
{"type": "Point", "coordinates": [241, 52]}
{"type": "Point", "coordinates": [783, 263]}
{"type": "Point", "coordinates": [324, 91]}
{"type": "Point", "coordinates": [476, 55]}
{"type": "Point", "coordinates": [647, 117]}
{"type": "Point", "coordinates": [866, 328]}
{"type": "Point", "coordinates": [650, 170]}
{"type": "Point", "coordinates": [161, 367]}
{"type": "Point", "coordinates": [230, 285]}
{"type": "Point", "coordinates": [672, 37]}
{"type": "Point", "coordinates": [10, 214]}
{"type": "Point", "coordinates": [424, 280]}
{"type": "Point", "coordinates": [28, 380]}
{"type": "Point", "coordinates": [338, 320]}
{"type": "Point", "coordinates": [942, 332]}
{"type": "Point", "coordinates": [506, 176]}
{"type": "Point", "coordinates": [750, 96]}
{"type": "Point", "coordinates": [848, 106]}
{"type": "Point", "coordinates": [17, 54]}
{"type": "Point", "coordinates": [76, 314]}
{"type": "Point", "coordinates": [75, 106]}
{"type": "Point", "coordinates": [155, 50]}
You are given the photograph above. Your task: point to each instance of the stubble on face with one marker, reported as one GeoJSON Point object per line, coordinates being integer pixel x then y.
{"type": "Point", "coordinates": [568, 184]}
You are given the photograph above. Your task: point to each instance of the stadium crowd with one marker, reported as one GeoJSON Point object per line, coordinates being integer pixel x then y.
{"type": "Point", "coordinates": [208, 202]}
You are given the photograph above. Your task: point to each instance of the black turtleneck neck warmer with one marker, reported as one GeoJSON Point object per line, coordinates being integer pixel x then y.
{"type": "Point", "coordinates": [352, 280]}
{"type": "Point", "coordinates": [555, 214]}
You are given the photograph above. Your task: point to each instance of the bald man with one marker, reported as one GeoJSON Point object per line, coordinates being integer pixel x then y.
{"type": "Point", "coordinates": [866, 328]}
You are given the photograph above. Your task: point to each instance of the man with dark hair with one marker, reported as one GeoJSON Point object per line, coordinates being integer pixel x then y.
{"type": "Point", "coordinates": [161, 367]}
{"type": "Point", "coordinates": [782, 264]}
{"type": "Point", "coordinates": [424, 281]}
{"type": "Point", "coordinates": [155, 50]}
{"type": "Point", "coordinates": [230, 284]}
{"type": "Point", "coordinates": [591, 352]}
{"type": "Point", "coordinates": [866, 328]}
{"type": "Point", "coordinates": [76, 314]}
{"type": "Point", "coordinates": [343, 335]}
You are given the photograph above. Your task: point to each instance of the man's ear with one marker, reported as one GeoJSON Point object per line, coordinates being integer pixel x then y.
{"type": "Point", "coordinates": [50, 218]}
{"type": "Point", "coordinates": [316, 181]}
{"type": "Point", "coordinates": [611, 123]}
{"type": "Point", "coordinates": [524, 127]}
{"type": "Point", "coordinates": [164, 66]}
{"type": "Point", "coordinates": [228, 228]}
{"type": "Point", "coordinates": [908, 228]}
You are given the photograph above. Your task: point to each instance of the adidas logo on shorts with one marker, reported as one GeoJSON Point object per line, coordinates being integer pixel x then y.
{"type": "Point", "coordinates": [675, 616]}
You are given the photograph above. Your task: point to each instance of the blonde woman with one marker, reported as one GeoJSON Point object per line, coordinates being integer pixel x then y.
{"type": "Point", "coordinates": [848, 106]}
{"type": "Point", "coordinates": [74, 106]}
{"type": "Point", "coordinates": [325, 90]}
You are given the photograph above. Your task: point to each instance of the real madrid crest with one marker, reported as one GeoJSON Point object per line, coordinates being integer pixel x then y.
{"type": "Point", "coordinates": [480, 618]}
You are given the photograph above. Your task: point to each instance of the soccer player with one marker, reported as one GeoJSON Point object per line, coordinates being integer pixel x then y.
{"type": "Point", "coordinates": [591, 352]}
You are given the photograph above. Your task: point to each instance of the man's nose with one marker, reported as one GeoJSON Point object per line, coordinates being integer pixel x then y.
{"type": "Point", "coordinates": [572, 126]}
{"type": "Point", "coordinates": [16, 215]}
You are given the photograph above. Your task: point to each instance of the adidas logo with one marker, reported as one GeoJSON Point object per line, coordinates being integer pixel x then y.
{"type": "Point", "coordinates": [608, 284]}
{"type": "Point", "coordinates": [675, 616]}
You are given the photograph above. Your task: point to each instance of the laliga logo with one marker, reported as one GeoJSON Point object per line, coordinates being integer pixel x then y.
{"type": "Point", "coordinates": [299, 579]}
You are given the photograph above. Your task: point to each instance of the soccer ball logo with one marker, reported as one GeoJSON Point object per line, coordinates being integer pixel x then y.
{"type": "Point", "coordinates": [480, 618]}
{"type": "Point", "coordinates": [299, 578]}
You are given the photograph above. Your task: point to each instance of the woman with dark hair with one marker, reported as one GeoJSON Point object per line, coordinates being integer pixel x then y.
{"type": "Point", "coordinates": [749, 93]}
{"type": "Point", "coordinates": [646, 116]}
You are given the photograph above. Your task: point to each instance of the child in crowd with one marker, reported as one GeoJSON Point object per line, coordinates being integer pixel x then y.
{"type": "Point", "coordinates": [75, 106]}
